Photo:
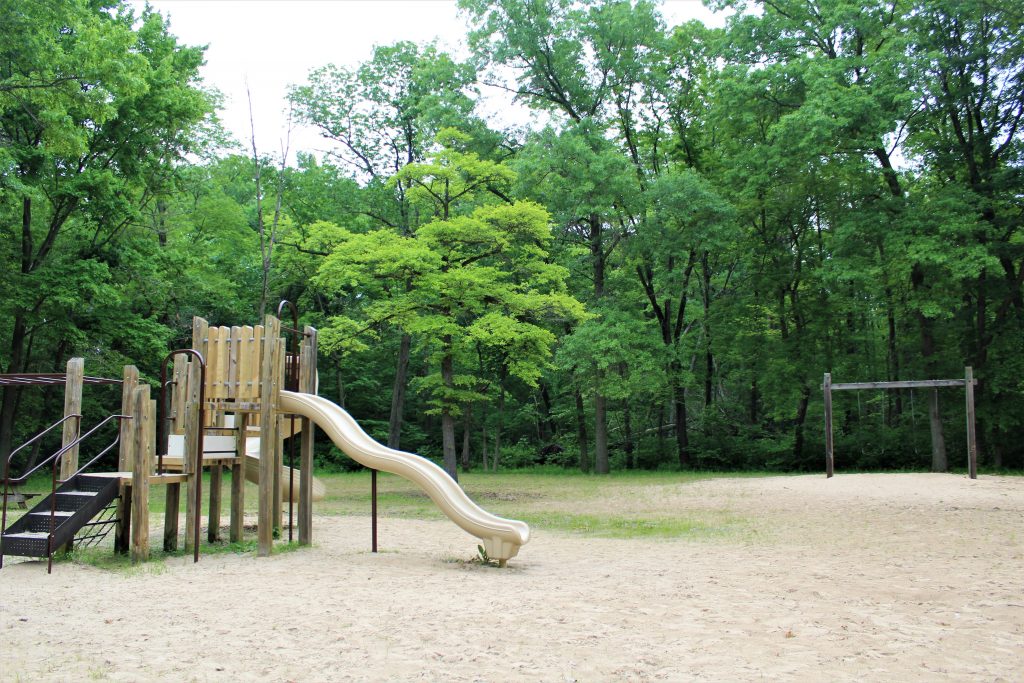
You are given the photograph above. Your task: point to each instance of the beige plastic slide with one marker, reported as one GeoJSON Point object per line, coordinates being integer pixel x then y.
{"type": "Point", "coordinates": [501, 537]}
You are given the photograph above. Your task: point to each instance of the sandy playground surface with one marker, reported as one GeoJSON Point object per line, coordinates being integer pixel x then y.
{"type": "Point", "coordinates": [895, 577]}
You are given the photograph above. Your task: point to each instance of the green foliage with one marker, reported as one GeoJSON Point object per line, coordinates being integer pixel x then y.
{"type": "Point", "coordinates": [820, 186]}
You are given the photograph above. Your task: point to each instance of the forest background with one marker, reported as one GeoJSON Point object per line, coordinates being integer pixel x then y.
{"type": "Point", "coordinates": [656, 273]}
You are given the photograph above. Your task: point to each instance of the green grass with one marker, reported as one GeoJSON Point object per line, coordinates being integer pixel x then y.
{"type": "Point", "coordinates": [102, 557]}
{"type": "Point", "coordinates": [557, 501]}
{"type": "Point", "coordinates": [623, 505]}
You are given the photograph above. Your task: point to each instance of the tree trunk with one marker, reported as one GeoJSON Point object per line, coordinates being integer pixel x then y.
{"type": "Point", "coordinates": [398, 393]}
{"type": "Point", "coordinates": [600, 403]}
{"type": "Point", "coordinates": [679, 415]}
{"type": "Point", "coordinates": [627, 424]}
{"type": "Point", "coordinates": [8, 408]}
{"type": "Point", "coordinates": [997, 454]}
{"type": "Point", "coordinates": [682, 434]}
{"type": "Point", "coordinates": [496, 456]}
{"type": "Point", "coordinates": [709, 362]}
{"type": "Point", "coordinates": [939, 461]}
{"type": "Point", "coordinates": [466, 424]}
{"type": "Point", "coordinates": [341, 385]}
{"type": "Point", "coordinates": [801, 417]}
{"type": "Point", "coordinates": [662, 448]}
{"type": "Point", "coordinates": [600, 431]}
{"type": "Point", "coordinates": [551, 432]}
{"type": "Point", "coordinates": [755, 400]}
{"type": "Point", "coordinates": [581, 430]}
{"type": "Point", "coordinates": [925, 324]}
{"type": "Point", "coordinates": [447, 419]}
{"type": "Point", "coordinates": [483, 445]}
{"type": "Point", "coordinates": [627, 445]}
{"type": "Point", "coordinates": [892, 355]}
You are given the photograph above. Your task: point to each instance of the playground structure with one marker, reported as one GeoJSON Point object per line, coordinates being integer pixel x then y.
{"type": "Point", "coordinates": [229, 401]}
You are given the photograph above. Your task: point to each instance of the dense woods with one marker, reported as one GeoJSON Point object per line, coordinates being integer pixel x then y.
{"type": "Point", "coordinates": [656, 273]}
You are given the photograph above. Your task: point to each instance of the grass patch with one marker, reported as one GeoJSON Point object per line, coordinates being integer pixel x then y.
{"type": "Point", "coordinates": [103, 558]}
{"type": "Point", "coordinates": [558, 501]}
{"type": "Point", "coordinates": [631, 527]}
{"type": "Point", "coordinates": [625, 505]}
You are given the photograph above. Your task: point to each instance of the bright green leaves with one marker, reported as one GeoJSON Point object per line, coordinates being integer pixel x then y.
{"type": "Point", "coordinates": [453, 176]}
{"type": "Point", "coordinates": [474, 281]}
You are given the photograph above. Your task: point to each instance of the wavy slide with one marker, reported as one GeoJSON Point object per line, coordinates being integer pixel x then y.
{"type": "Point", "coordinates": [501, 537]}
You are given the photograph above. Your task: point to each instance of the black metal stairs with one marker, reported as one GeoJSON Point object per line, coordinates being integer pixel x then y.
{"type": "Point", "coordinates": [78, 502]}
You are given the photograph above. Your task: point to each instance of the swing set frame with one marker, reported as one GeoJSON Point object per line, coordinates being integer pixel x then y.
{"type": "Point", "coordinates": [968, 382]}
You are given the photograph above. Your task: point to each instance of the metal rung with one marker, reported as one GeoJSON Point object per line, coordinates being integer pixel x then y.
{"type": "Point", "coordinates": [102, 521]}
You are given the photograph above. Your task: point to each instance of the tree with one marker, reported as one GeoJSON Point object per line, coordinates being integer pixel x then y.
{"type": "Point", "coordinates": [93, 115]}
{"type": "Point", "coordinates": [475, 276]}
{"type": "Point", "coordinates": [383, 116]}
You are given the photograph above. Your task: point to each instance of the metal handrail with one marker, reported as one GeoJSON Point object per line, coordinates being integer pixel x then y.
{"type": "Point", "coordinates": [291, 381]}
{"type": "Point", "coordinates": [52, 460]}
{"type": "Point", "coordinates": [117, 440]}
{"type": "Point", "coordinates": [7, 463]}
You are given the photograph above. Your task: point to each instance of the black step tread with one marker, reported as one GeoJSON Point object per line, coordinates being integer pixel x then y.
{"type": "Point", "coordinates": [24, 536]}
{"type": "Point", "coordinates": [27, 534]}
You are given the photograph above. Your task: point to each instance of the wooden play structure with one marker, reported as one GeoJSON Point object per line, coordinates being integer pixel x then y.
{"type": "Point", "coordinates": [218, 409]}
{"type": "Point", "coordinates": [228, 402]}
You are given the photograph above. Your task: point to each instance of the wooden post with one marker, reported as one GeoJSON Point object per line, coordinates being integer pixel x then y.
{"type": "Point", "coordinates": [172, 506]}
{"type": "Point", "coordinates": [189, 457]}
{"type": "Point", "coordinates": [123, 529]}
{"type": "Point", "coordinates": [238, 480]}
{"type": "Point", "coordinates": [72, 406]}
{"type": "Point", "coordinates": [129, 382]}
{"type": "Point", "coordinates": [829, 453]}
{"type": "Point", "coordinates": [972, 439]}
{"type": "Point", "coordinates": [145, 435]}
{"type": "Point", "coordinates": [307, 384]}
{"type": "Point", "coordinates": [125, 458]}
{"type": "Point", "coordinates": [213, 527]}
{"type": "Point", "coordinates": [179, 393]}
{"type": "Point", "coordinates": [269, 387]}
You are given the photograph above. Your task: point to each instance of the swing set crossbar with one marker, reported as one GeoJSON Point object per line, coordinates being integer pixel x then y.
{"type": "Point", "coordinates": [908, 384]}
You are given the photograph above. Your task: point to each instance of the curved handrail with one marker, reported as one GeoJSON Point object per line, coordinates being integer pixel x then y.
{"type": "Point", "coordinates": [291, 383]}
{"type": "Point", "coordinates": [199, 437]}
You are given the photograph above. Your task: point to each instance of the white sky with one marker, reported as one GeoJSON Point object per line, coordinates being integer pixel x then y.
{"type": "Point", "coordinates": [272, 44]}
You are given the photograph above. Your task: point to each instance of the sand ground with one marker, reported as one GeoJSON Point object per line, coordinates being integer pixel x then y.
{"type": "Point", "coordinates": [894, 577]}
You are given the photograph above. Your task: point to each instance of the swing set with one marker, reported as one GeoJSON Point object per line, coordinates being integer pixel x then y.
{"type": "Point", "coordinates": [968, 382]}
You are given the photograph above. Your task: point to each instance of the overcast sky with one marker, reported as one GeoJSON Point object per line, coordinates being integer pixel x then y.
{"type": "Point", "coordinates": [272, 44]}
